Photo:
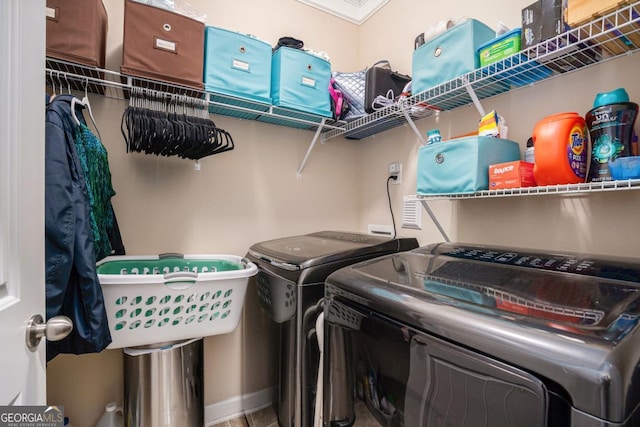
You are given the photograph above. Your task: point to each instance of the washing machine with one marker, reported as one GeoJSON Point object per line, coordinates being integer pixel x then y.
{"type": "Point", "coordinates": [290, 286]}
{"type": "Point", "coordinates": [469, 335]}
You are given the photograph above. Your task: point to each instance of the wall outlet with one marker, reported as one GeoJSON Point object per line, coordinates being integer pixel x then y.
{"type": "Point", "coordinates": [395, 169]}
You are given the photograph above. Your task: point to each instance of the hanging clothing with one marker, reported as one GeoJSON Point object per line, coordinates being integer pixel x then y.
{"type": "Point", "coordinates": [95, 167]}
{"type": "Point", "coordinates": [72, 286]}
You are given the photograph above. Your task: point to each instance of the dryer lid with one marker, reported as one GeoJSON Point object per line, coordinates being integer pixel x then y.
{"type": "Point", "coordinates": [304, 251]}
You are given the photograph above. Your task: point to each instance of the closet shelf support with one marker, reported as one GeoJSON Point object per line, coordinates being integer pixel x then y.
{"type": "Point", "coordinates": [474, 97]}
{"type": "Point", "coordinates": [435, 220]}
{"type": "Point", "coordinates": [313, 143]}
{"type": "Point", "coordinates": [412, 124]}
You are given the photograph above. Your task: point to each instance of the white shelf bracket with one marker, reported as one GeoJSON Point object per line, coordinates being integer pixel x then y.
{"type": "Point", "coordinates": [474, 97]}
{"type": "Point", "coordinates": [412, 124]}
{"type": "Point", "coordinates": [435, 220]}
{"type": "Point", "coordinates": [313, 143]}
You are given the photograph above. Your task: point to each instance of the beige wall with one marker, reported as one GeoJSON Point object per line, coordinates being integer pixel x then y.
{"type": "Point", "coordinates": [240, 197]}
{"type": "Point", "coordinates": [598, 223]}
{"type": "Point", "coordinates": [251, 194]}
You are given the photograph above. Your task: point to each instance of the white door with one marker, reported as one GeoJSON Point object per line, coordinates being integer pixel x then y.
{"type": "Point", "coordinates": [22, 290]}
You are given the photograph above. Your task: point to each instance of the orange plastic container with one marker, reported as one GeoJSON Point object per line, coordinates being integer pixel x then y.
{"type": "Point", "coordinates": [562, 149]}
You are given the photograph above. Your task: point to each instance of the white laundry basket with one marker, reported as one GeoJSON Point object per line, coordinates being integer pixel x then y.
{"type": "Point", "coordinates": [153, 299]}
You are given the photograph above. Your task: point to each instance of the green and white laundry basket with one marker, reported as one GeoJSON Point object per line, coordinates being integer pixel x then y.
{"type": "Point", "coordinates": [155, 299]}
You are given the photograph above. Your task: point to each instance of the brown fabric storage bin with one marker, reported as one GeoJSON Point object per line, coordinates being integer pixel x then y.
{"type": "Point", "coordinates": [162, 45]}
{"type": "Point", "coordinates": [77, 31]}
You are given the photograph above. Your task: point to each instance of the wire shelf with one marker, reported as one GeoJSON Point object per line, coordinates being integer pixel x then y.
{"type": "Point", "coordinates": [610, 36]}
{"type": "Point", "coordinates": [604, 38]}
{"type": "Point", "coordinates": [65, 76]}
{"type": "Point", "coordinates": [564, 189]}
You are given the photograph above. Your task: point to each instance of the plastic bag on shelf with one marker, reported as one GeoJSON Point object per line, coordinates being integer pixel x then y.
{"type": "Point", "coordinates": [178, 6]}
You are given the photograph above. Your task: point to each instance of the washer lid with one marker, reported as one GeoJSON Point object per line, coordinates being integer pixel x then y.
{"type": "Point", "coordinates": [593, 297]}
{"type": "Point", "coordinates": [299, 252]}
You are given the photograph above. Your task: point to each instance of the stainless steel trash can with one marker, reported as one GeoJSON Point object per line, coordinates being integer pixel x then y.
{"type": "Point", "coordinates": [163, 385]}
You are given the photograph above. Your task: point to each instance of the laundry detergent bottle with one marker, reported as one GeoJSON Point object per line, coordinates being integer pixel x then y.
{"type": "Point", "coordinates": [562, 149]}
{"type": "Point", "coordinates": [610, 123]}
{"type": "Point", "coordinates": [111, 417]}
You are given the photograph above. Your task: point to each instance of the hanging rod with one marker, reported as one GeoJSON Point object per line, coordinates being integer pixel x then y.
{"type": "Point", "coordinates": [112, 84]}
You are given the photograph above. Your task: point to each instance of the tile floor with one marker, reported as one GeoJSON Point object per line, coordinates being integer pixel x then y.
{"type": "Point", "coordinates": [267, 418]}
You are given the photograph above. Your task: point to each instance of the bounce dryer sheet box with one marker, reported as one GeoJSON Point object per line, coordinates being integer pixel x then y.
{"type": "Point", "coordinates": [449, 55]}
{"type": "Point", "coordinates": [511, 175]}
{"type": "Point", "coordinates": [461, 165]}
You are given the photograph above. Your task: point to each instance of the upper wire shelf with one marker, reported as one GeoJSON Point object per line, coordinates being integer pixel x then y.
{"type": "Point", "coordinates": [604, 38]}
{"type": "Point", "coordinates": [67, 76]}
{"type": "Point", "coordinates": [609, 36]}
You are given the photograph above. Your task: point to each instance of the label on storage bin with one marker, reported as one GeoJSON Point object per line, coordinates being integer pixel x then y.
{"type": "Point", "coordinates": [52, 12]}
{"type": "Point", "coordinates": [165, 45]}
{"type": "Point", "coordinates": [240, 65]}
{"type": "Point", "coordinates": [306, 81]}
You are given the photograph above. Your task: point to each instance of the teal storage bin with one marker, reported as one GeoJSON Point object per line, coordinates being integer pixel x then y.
{"type": "Point", "coordinates": [300, 81]}
{"type": "Point", "coordinates": [461, 165]}
{"type": "Point", "coordinates": [450, 55]}
{"type": "Point", "coordinates": [239, 66]}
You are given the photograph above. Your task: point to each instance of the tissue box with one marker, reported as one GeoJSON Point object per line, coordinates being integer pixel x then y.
{"type": "Point", "coordinates": [461, 165]}
{"type": "Point", "coordinates": [300, 81]}
{"type": "Point", "coordinates": [511, 175]}
{"type": "Point", "coordinates": [449, 55]}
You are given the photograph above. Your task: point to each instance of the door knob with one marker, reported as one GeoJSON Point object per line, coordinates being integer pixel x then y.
{"type": "Point", "coordinates": [55, 329]}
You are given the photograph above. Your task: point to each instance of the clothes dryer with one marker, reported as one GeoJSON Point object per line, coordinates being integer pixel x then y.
{"type": "Point", "coordinates": [290, 285]}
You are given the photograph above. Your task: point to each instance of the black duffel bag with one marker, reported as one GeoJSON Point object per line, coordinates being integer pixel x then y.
{"type": "Point", "coordinates": [382, 81]}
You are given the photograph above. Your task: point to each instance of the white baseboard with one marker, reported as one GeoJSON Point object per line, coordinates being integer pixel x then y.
{"type": "Point", "coordinates": [238, 405]}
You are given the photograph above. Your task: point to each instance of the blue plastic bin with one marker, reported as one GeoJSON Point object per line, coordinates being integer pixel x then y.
{"type": "Point", "coordinates": [300, 81]}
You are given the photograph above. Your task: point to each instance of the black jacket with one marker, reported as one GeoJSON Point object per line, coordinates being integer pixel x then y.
{"type": "Point", "coordinates": [72, 287]}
